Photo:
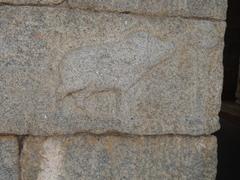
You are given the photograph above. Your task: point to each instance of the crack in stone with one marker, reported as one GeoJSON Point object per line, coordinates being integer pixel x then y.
{"type": "Point", "coordinates": [20, 140]}
{"type": "Point", "coordinates": [102, 134]}
{"type": "Point", "coordinates": [66, 4]}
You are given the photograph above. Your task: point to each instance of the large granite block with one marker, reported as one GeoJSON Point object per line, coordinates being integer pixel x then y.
{"type": "Point", "coordinates": [9, 160]}
{"type": "Point", "coordinates": [113, 157]}
{"type": "Point", "coordinates": [66, 71]}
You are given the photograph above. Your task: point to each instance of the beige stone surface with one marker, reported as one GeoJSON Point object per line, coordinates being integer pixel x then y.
{"type": "Point", "coordinates": [215, 9]}
{"type": "Point", "coordinates": [31, 2]}
{"type": "Point", "coordinates": [113, 157]}
{"type": "Point", "coordinates": [65, 71]}
{"type": "Point", "coordinates": [9, 158]}
{"type": "Point", "coordinates": [188, 8]}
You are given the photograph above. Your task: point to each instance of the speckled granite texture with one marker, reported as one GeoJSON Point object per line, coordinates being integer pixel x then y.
{"type": "Point", "coordinates": [9, 159]}
{"type": "Point", "coordinates": [114, 157]}
{"type": "Point", "coordinates": [110, 89]}
{"type": "Point", "coordinates": [65, 71]}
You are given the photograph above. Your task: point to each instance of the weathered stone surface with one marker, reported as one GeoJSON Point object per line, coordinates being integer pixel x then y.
{"type": "Point", "coordinates": [67, 71]}
{"type": "Point", "coordinates": [9, 160]}
{"type": "Point", "coordinates": [31, 2]}
{"type": "Point", "coordinates": [188, 8]}
{"type": "Point", "coordinates": [114, 157]}
{"type": "Point", "coordinates": [215, 9]}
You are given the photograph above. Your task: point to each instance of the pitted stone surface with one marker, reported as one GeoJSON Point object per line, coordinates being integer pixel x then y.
{"type": "Point", "coordinates": [31, 2]}
{"type": "Point", "coordinates": [188, 8]}
{"type": "Point", "coordinates": [9, 160]}
{"type": "Point", "coordinates": [215, 9]}
{"type": "Point", "coordinates": [113, 157]}
{"type": "Point", "coordinates": [65, 71]}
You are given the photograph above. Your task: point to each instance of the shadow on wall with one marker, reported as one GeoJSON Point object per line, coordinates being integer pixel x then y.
{"type": "Point", "coordinates": [229, 134]}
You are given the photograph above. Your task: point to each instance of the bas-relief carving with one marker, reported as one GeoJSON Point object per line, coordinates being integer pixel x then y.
{"type": "Point", "coordinates": [146, 76]}
{"type": "Point", "coordinates": [119, 77]}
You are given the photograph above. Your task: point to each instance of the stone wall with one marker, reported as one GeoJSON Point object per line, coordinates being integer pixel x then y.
{"type": "Point", "coordinates": [110, 89]}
